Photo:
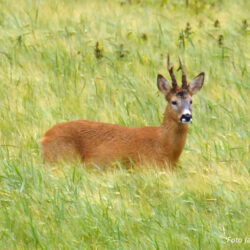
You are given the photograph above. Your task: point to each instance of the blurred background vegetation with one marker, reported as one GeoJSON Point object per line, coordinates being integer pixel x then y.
{"type": "Point", "coordinates": [98, 60]}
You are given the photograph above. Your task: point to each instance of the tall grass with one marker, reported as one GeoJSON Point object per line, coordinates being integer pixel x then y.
{"type": "Point", "coordinates": [53, 70]}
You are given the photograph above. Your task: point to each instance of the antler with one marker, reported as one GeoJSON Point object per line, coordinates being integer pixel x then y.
{"type": "Point", "coordinates": [184, 77]}
{"type": "Point", "coordinates": [170, 70]}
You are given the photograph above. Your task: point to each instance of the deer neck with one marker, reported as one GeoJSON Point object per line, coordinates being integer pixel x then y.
{"type": "Point", "coordinates": [173, 136]}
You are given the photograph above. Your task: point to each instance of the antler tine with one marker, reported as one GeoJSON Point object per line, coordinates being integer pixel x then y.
{"type": "Point", "coordinates": [170, 70]}
{"type": "Point", "coordinates": [184, 77]}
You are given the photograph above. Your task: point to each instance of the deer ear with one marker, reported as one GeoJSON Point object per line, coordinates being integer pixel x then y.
{"type": "Point", "coordinates": [163, 84]}
{"type": "Point", "coordinates": [197, 83]}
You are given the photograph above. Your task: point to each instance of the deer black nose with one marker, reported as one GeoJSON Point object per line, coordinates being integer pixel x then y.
{"type": "Point", "coordinates": [186, 118]}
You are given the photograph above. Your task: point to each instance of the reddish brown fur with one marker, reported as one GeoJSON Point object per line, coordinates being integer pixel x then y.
{"type": "Point", "coordinates": [103, 143]}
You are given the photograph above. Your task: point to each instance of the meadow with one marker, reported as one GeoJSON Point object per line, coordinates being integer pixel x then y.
{"type": "Point", "coordinates": [98, 60]}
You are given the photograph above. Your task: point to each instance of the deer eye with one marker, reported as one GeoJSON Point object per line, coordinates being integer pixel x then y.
{"type": "Point", "coordinates": [174, 103]}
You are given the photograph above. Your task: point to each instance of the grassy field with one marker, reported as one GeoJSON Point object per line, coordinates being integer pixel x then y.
{"type": "Point", "coordinates": [98, 60]}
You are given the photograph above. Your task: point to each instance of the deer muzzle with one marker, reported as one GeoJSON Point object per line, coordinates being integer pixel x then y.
{"type": "Point", "coordinates": [186, 118]}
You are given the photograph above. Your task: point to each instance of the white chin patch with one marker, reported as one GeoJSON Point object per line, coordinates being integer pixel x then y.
{"type": "Point", "coordinates": [184, 120]}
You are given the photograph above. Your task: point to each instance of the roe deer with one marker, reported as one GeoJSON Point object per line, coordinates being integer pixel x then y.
{"type": "Point", "coordinates": [103, 143]}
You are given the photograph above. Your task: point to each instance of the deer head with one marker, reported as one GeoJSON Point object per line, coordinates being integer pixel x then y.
{"type": "Point", "coordinates": [180, 98]}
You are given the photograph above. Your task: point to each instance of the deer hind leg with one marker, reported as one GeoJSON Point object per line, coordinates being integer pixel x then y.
{"type": "Point", "coordinates": [58, 150]}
